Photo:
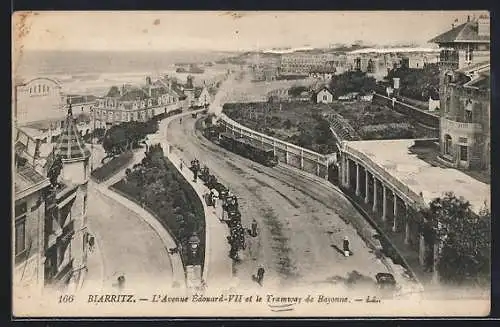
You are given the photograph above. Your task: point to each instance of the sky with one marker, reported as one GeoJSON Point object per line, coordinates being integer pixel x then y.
{"type": "Point", "coordinates": [227, 31]}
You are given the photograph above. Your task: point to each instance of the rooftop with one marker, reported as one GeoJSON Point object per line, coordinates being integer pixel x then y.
{"type": "Point", "coordinates": [466, 32]}
{"type": "Point", "coordinates": [418, 175]}
{"type": "Point", "coordinates": [70, 145]}
{"type": "Point", "coordinates": [27, 178]}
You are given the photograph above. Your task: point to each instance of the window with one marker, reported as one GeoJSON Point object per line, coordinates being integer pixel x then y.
{"type": "Point", "coordinates": [84, 204]}
{"type": "Point", "coordinates": [447, 144]}
{"type": "Point", "coordinates": [468, 116]}
{"type": "Point", "coordinates": [324, 97]}
{"type": "Point", "coordinates": [20, 241]}
{"type": "Point", "coordinates": [463, 153]}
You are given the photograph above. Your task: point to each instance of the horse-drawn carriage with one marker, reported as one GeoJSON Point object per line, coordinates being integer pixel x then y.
{"type": "Point", "coordinates": [195, 165]}
{"type": "Point", "coordinates": [204, 174]}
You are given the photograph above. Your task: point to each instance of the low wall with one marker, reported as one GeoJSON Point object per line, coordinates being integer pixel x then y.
{"type": "Point", "coordinates": [429, 120]}
{"type": "Point", "coordinates": [290, 154]}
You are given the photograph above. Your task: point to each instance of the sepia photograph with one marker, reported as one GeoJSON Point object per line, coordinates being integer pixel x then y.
{"type": "Point", "coordinates": [251, 164]}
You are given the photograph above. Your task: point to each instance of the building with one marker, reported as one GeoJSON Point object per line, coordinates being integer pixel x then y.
{"type": "Point", "coordinates": [66, 210]}
{"type": "Point", "coordinates": [28, 225]}
{"type": "Point", "coordinates": [324, 73]}
{"type": "Point", "coordinates": [138, 103]}
{"type": "Point", "coordinates": [465, 44]}
{"type": "Point", "coordinates": [465, 118]}
{"type": "Point", "coordinates": [301, 63]}
{"type": "Point", "coordinates": [60, 205]}
{"type": "Point", "coordinates": [324, 95]}
{"type": "Point", "coordinates": [38, 99]}
{"type": "Point", "coordinates": [81, 103]}
{"type": "Point", "coordinates": [465, 95]}
{"type": "Point", "coordinates": [204, 98]}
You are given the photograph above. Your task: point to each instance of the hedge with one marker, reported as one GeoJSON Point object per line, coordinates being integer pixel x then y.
{"type": "Point", "coordinates": [111, 167]}
{"type": "Point", "coordinates": [156, 184]}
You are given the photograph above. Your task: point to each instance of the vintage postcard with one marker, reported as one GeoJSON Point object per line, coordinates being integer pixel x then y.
{"type": "Point", "coordinates": [251, 164]}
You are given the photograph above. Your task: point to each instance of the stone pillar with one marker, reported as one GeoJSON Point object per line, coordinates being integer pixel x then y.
{"type": "Point", "coordinates": [407, 226]}
{"type": "Point", "coordinates": [395, 222]}
{"type": "Point", "coordinates": [348, 173]}
{"type": "Point", "coordinates": [375, 194]}
{"type": "Point", "coordinates": [367, 188]}
{"type": "Point", "coordinates": [274, 146]}
{"type": "Point", "coordinates": [344, 170]}
{"type": "Point", "coordinates": [262, 140]}
{"type": "Point", "coordinates": [301, 159]}
{"type": "Point", "coordinates": [421, 250]}
{"type": "Point", "coordinates": [357, 179]}
{"type": "Point", "coordinates": [317, 166]}
{"type": "Point", "coordinates": [435, 274]}
{"type": "Point", "coordinates": [384, 203]}
{"type": "Point", "coordinates": [286, 154]}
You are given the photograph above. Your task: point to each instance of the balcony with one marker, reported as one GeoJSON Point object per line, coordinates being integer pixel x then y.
{"type": "Point", "coordinates": [459, 127]}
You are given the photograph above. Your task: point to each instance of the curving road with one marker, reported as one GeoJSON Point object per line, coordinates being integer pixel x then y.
{"type": "Point", "coordinates": [300, 217]}
{"type": "Point", "coordinates": [126, 243]}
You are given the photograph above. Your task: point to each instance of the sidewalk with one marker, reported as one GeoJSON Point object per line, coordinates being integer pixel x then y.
{"type": "Point", "coordinates": [94, 279]}
{"type": "Point", "coordinates": [218, 267]}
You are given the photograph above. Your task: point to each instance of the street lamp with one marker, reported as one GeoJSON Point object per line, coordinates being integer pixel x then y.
{"type": "Point", "coordinates": [194, 243]}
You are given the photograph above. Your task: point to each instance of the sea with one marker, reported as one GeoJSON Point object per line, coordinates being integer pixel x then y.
{"type": "Point", "coordinates": [93, 72]}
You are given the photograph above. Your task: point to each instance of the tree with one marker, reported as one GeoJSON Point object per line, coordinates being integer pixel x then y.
{"type": "Point", "coordinates": [55, 170]}
{"type": "Point", "coordinates": [465, 239]}
{"type": "Point", "coordinates": [352, 81]}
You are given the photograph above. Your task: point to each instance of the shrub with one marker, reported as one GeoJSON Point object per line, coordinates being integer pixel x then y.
{"type": "Point", "coordinates": [157, 184]}
{"type": "Point", "coordinates": [111, 167]}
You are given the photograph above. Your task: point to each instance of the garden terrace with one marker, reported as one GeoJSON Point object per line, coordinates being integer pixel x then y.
{"type": "Point", "coordinates": [298, 123]}
{"type": "Point", "coordinates": [308, 124]}
{"type": "Point", "coordinates": [110, 168]}
{"type": "Point", "coordinates": [157, 185]}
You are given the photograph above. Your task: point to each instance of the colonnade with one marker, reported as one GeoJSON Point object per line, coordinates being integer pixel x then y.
{"type": "Point", "coordinates": [385, 202]}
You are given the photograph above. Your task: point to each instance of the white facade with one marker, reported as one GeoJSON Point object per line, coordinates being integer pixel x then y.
{"type": "Point", "coordinates": [324, 96]}
{"type": "Point", "coordinates": [204, 98]}
{"type": "Point", "coordinates": [39, 99]}
{"type": "Point", "coordinates": [433, 104]}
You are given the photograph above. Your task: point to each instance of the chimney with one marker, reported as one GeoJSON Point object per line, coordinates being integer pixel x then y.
{"type": "Point", "coordinates": [483, 26]}
{"type": "Point", "coordinates": [148, 80]}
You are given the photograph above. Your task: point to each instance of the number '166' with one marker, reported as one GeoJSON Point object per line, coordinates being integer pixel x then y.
{"type": "Point", "coordinates": [66, 298]}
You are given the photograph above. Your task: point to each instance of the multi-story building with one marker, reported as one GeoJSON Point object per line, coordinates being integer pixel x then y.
{"type": "Point", "coordinates": [38, 99]}
{"type": "Point", "coordinates": [66, 210]}
{"type": "Point", "coordinates": [62, 233]}
{"type": "Point", "coordinates": [141, 103]}
{"type": "Point", "coordinates": [465, 44]}
{"type": "Point", "coordinates": [465, 95]}
{"type": "Point", "coordinates": [301, 63]}
{"type": "Point", "coordinates": [28, 225]}
{"type": "Point", "coordinates": [81, 103]}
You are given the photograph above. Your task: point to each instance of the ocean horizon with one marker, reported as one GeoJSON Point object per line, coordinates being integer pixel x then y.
{"type": "Point", "coordinates": [93, 72]}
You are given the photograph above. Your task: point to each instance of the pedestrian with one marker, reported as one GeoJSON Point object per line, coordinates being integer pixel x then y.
{"type": "Point", "coordinates": [346, 249]}
{"type": "Point", "coordinates": [181, 165]}
{"type": "Point", "coordinates": [260, 276]}
{"type": "Point", "coordinates": [121, 282]}
{"type": "Point", "coordinates": [254, 228]}
{"type": "Point", "coordinates": [91, 243]}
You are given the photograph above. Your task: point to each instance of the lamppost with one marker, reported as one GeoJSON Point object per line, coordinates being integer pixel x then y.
{"type": "Point", "coordinates": [194, 243]}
